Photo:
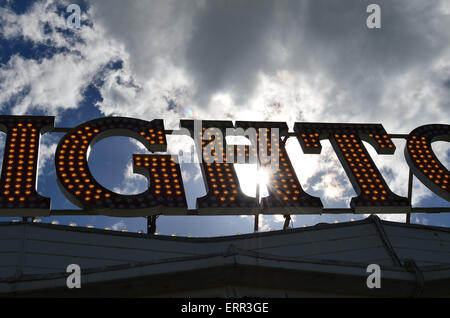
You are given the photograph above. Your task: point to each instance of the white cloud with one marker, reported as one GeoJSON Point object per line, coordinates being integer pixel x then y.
{"type": "Point", "coordinates": [119, 226]}
{"type": "Point", "coordinates": [278, 218]}
{"type": "Point", "coordinates": [50, 85]}
{"type": "Point", "coordinates": [31, 26]}
{"type": "Point", "coordinates": [133, 183]}
{"type": "Point", "coordinates": [46, 153]}
{"type": "Point", "coordinates": [54, 83]}
{"type": "Point", "coordinates": [263, 223]}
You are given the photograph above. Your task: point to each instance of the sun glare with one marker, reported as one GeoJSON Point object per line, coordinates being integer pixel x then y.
{"type": "Point", "coordinates": [249, 177]}
{"type": "Point", "coordinates": [262, 177]}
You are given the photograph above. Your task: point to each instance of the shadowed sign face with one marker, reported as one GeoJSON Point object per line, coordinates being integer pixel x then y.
{"type": "Point", "coordinates": [166, 194]}
{"type": "Point", "coordinates": [364, 175]}
{"type": "Point", "coordinates": [78, 184]}
{"type": "Point", "coordinates": [19, 171]}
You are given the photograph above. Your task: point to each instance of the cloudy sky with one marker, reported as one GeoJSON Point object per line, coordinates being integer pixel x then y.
{"type": "Point", "coordinates": [237, 60]}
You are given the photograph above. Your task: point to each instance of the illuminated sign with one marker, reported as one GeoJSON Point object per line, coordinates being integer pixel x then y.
{"type": "Point", "coordinates": [364, 175]}
{"type": "Point", "coordinates": [166, 193]}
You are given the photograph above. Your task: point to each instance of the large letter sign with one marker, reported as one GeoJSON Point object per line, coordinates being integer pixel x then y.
{"type": "Point", "coordinates": [166, 193]}
{"type": "Point", "coordinates": [285, 191]}
{"type": "Point", "coordinates": [221, 182]}
{"type": "Point", "coordinates": [424, 163]}
{"type": "Point", "coordinates": [166, 187]}
{"type": "Point", "coordinates": [19, 169]}
{"type": "Point", "coordinates": [365, 177]}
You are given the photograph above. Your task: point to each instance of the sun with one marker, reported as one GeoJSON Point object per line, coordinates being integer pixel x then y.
{"type": "Point", "coordinates": [249, 177]}
{"type": "Point", "coordinates": [262, 177]}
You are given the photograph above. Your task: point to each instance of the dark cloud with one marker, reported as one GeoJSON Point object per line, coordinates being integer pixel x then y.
{"type": "Point", "coordinates": [229, 45]}
{"type": "Point", "coordinates": [447, 83]}
{"type": "Point", "coordinates": [233, 41]}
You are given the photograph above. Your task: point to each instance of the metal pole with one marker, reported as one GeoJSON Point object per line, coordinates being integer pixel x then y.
{"type": "Point", "coordinates": [287, 220]}
{"type": "Point", "coordinates": [287, 217]}
{"type": "Point", "coordinates": [256, 226]}
{"type": "Point", "coordinates": [410, 187]}
{"type": "Point", "coordinates": [151, 224]}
